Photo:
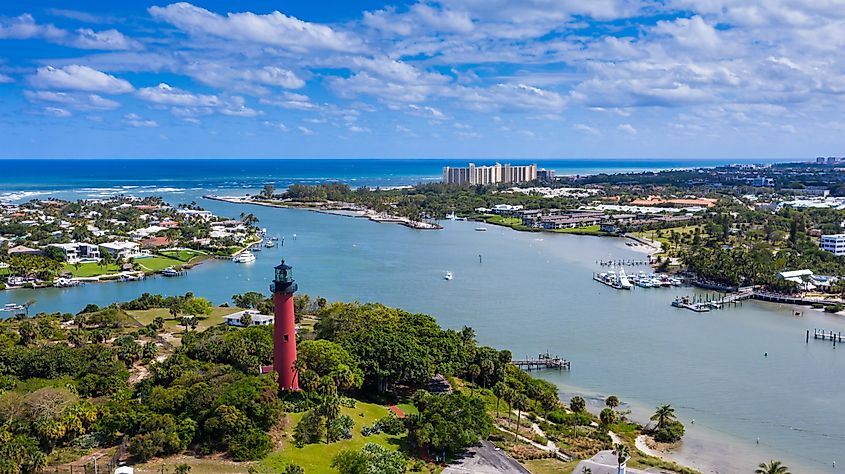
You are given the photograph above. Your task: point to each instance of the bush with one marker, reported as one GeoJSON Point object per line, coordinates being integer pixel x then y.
{"type": "Point", "coordinates": [309, 430]}
{"type": "Point", "coordinates": [341, 428]}
{"type": "Point", "coordinates": [834, 308]}
{"type": "Point", "coordinates": [391, 425]}
{"type": "Point", "coordinates": [670, 432]}
{"type": "Point", "coordinates": [250, 445]}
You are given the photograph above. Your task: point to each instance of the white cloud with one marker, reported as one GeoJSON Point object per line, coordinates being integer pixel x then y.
{"type": "Point", "coordinates": [164, 94]}
{"type": "Point", "coordinates": [137, 121]}
{"type": "Point", "coordinates": [4, 79]}
{"type": "Point", "coordinates": [627, 128]}
{"type": "Point", "coordinates": [586, 129]}
{"type": "Point", "coordinates": [289, 100]}
{"type": "Point", "coordinates": [81, 78]}
{"type": "Point", "coordinates": [57, 112]}
{"type": "Point", "coordinates": [305, 130]}
{"type": "Point", "coordinates": [73, 100]}
{"type": "Point", "coordinates": [274, 29]}
{"type": "Point", "coordinates": [275, 125]}
{"type": "Point", "coordinates": [357, 129]}
{"type": "Point", "coordinates": [426, 111]}
{"type": "Point", "coordinates": [105, 40]}
{"type": "Point", "coordinates": [25, 27]}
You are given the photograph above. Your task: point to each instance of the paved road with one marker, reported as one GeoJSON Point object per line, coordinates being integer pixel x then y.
{"type": "Point", "coordinates": [485, 459]}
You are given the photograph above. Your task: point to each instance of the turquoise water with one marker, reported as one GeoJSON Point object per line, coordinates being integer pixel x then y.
{"type": "Point", "coordinates": [534, 293]}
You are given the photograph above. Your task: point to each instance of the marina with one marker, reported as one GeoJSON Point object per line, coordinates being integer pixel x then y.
{"type": "Point", "coordinates": [706, 302]}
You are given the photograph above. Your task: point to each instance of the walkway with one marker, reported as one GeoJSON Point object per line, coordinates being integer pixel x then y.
{"type": "Point", "coordinates": [485, 459]}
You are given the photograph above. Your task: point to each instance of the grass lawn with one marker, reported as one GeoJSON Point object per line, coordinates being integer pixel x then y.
{"type": "Point", "coordinates": [549, 466]}
{"type": "Point", "coordinates": [183, 255]}
{"type": "Point", "coordinates": [91, 269]}
{"type": "Point", "coordinates": [589, 230]}
{"type": "Point", "coordinates": [148, 315]}
{"type": "Point", "coordinates": [317, 458]}
{"type": "Point", "coordinates": [157, 264]}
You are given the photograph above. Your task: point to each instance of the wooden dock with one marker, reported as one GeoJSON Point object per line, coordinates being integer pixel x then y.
{"type": "Point", "coordinates": [542, 361]}
{"type": "Point", "coordinates": [704, 303]}
{"type": "Point", "coordinates": [826, 335]}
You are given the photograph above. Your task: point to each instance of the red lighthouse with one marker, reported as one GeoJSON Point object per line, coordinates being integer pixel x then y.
{"type": "Point", "coordinates": [284, 329]}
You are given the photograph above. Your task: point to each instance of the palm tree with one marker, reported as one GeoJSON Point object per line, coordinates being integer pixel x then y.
{"type": "Point", "coordinates": [664, 414]}
{"type": "Point", "coordinates": [499, 391]}
{"type": "Point", "coordinates": [520, 402]}
{"type": "Point", "coordinates": [621, 452]}
{"type": "Point", "coordinates": [612, 402]}
{"type": "Point", "coordinates": [773, 467]}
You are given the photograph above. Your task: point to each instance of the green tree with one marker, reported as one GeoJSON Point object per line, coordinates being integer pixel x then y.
{"type": "Point", "coordinates": [577, 404]}
{"type": "Point", "coordinates": [772, 467]}
{"type": "Point", "coordinates": [499, 391]}
{"type": "Point", "coordinates": [350, 461]}
{"type": "Point", "coordinates": [182, 469]}
{"type": "Point", "coordinates": [612, 402]}
{"type": "Point", "coordinates": [607, 417]}
{"type": "Point", "coordinates": [450, 422]}
{"type": "Point", "coordinates": [663, 415]}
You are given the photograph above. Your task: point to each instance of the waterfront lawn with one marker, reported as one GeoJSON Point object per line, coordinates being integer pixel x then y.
{"type": "Point", "coordinates": [183, 255]}
{"type": "Point", "coordinates": [157, 264]}
{"type": "Point", "coordinates": [588, 230]}
{"type": "Point", "coordinates": [317, 458]}
{"type": "Point", "coordinates": [172, 325]}
{"type": "Point", "coordinates": [512, 222]}
{"type": "Point", "coordinates": [91, 269]}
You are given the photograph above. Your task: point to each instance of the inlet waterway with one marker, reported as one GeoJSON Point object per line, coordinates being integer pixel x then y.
{"type": "Point", "coordinates": [533, 293]}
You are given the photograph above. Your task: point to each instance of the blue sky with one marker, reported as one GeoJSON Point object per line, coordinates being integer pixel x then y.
{"type": "Point", "coordinates": [446, 79]}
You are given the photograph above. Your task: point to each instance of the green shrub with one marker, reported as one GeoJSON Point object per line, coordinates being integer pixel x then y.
{"type": "Point", "coordinates": [250, 445]}
{"type": "Point", "coordinates": [670, 432]}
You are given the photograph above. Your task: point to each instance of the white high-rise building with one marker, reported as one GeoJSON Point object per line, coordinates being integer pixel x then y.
{"type": "Point", "coordinates": [494, 174]}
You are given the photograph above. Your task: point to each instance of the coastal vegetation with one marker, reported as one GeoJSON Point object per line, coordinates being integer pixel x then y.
{"type": "Point", "coordinates": [383, 390]}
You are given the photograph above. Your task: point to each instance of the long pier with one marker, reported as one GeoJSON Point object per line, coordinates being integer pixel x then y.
{"type": "Point", "coordinates": [542, 361]}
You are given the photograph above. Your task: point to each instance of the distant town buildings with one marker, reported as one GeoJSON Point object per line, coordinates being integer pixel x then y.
{"type": "Point", "coordinates": [493, 174]}
{"type": "Point", "coordinates": [830, 160]}
{"type": "Point", "coordinates": [833, 243]}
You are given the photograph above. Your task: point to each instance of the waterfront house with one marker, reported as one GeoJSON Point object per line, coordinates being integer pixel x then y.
{"type": "Point", "coordinates": [195, 214]}
{"type": "Point", "coordinates": [802, 278]}
{"type": "Point", "coordinates": [256, 318]}
{"type": "Point", "coordinates": [122, 250]}
{"type": "Point", "coordinates": [76, 252]}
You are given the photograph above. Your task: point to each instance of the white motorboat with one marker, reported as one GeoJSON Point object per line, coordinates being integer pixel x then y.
{"type": "Point", "coordinates": [170, 272]}
{"type": "Point", "coordinates": [244, 257]}
{"type": "Point", "coordinates": [447, 276]}
{"type": "Point", "coordinates": [624, 283]}
{"type": "Point", "coordinates": [481, 229]}
{"type": "Point", "coordinates": [270, 244]}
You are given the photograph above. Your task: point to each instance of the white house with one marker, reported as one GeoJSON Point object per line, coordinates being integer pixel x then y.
{"type": "Point", "coordinates": [833, 243]}
{"type": "Point", "coordinates": [122, 250]}
{"type": "Point", "coordinates": [256, 318]}
{"type": "Point", "coordinates": [801, 277]}
{"type": "Point", "coordinates": [78, 251]}
{"type": "Point", "coordinates": [195, 214]}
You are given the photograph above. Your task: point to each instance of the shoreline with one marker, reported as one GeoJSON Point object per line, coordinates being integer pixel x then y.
{"type": "Point", "coordinates": [337, 209]}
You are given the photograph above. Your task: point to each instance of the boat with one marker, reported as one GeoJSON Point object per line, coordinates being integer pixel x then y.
{"type": "Point", "coordinates": [244, 257]}
{"type": "Point", "coordinates": [451, 216]}
{"type": "Point", "coordinates": [12, 307]}
{"type": "Point", "coordinates": [624, 282]}
{"type": "Point", "coordinates": [170, 272]}
{"type": "Point", "coordinates": [270, 244]}
{"type": "Point", "coordinates": [447, 276]}
{"type": "Point", "coordinates": [481, 229]}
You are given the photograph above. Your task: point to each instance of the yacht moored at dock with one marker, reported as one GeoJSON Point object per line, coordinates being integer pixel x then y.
{"type": "Point", "coordinates": [244, 257]}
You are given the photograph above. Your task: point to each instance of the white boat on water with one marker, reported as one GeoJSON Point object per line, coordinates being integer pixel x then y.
{"type": "Point", "coordinates": [481, 229]}
{"type": "Point", "coordinates": [624, 283]}
{"type": "Point", "coordinates": [12, 307]}
{"type": "Point", "coordinates": [447, 276]}
{"type": "Point", "coordinates": [451, 216]}
{"type": "Point", "coordinates": [170, 272]}
{"type": "Point", "coordinates": [270, 244]}
{"type": "Point", "coordinates": [244, 257]}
